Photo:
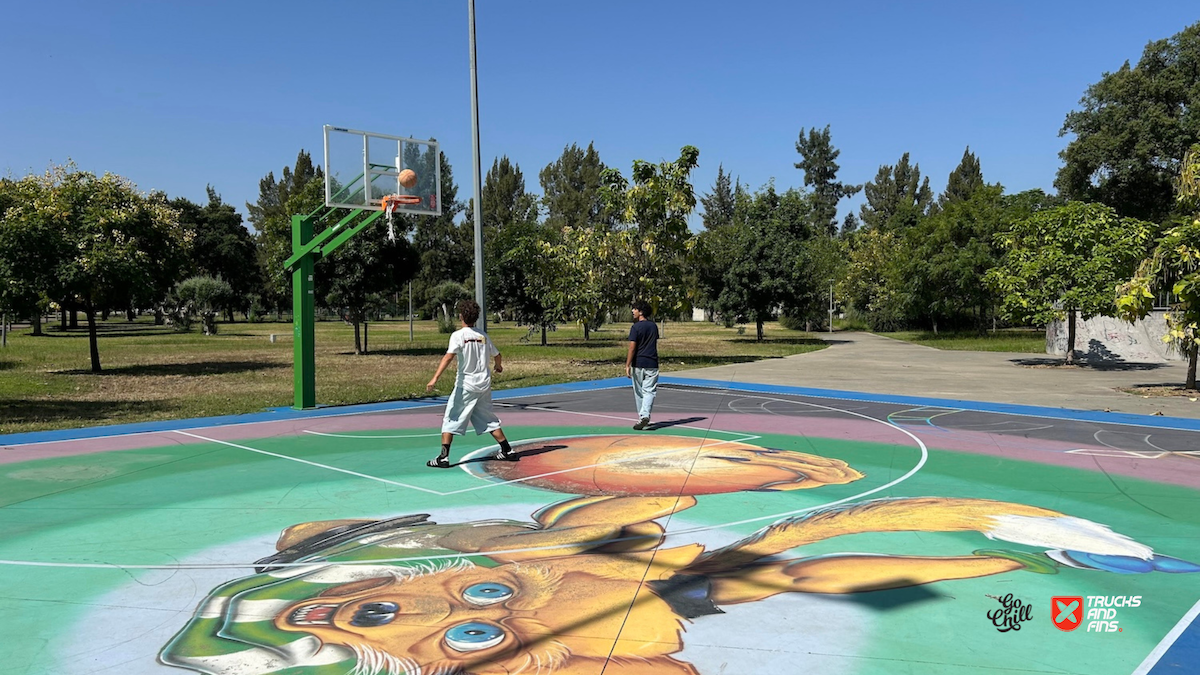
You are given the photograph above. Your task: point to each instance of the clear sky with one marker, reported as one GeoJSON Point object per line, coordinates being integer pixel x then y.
{"type": "Point", "coordinates": [178, 95]}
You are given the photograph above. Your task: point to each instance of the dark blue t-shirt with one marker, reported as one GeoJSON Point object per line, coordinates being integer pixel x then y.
{"type": "Point", "coordinates": [645, 334]}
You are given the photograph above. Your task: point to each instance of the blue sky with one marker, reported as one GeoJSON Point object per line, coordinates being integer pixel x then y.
{"type": "Point", "coordinates": [178, 95]}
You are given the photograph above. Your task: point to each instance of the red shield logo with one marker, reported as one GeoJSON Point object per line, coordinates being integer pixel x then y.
{"type": "Point", "coordinates": [1066, 611]}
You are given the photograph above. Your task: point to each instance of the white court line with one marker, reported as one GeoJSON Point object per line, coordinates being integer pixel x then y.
{"type": "Point", "coordinates": [1168, 640]}
{"type": "Point", "coordinates": [305, 461]}
{"type": "Point", "coordinates": [320, 433]}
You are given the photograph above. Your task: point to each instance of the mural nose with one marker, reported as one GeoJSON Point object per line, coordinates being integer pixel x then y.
{"type": "Point", "coordinates": [372, 614]}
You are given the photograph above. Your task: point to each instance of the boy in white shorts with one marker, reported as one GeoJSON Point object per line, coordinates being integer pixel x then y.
{"type": "Point", "coordinates": [470, 403]}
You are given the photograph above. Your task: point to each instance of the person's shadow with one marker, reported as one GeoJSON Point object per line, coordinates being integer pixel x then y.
{"type": "Point", "coordinates": [516, 456]}
{"type": "Point", "coordinates": [673, 423]}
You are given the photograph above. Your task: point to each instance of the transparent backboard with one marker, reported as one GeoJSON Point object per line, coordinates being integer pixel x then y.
{"type": "Point", "coordinates": [361, 168]}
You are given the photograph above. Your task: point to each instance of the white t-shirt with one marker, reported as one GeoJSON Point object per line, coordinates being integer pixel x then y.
{"type": "Point", "coordinates": [473, 350]}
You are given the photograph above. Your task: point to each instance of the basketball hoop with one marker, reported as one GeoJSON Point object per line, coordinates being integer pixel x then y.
{"type": "Point", "coordinates": [390, 203]}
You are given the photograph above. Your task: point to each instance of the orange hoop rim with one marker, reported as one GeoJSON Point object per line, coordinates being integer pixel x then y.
{"type": "Point", "coordinates": [399, 200]}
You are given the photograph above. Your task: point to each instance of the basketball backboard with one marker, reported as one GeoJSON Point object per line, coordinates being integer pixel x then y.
{"type": "Point", "coordinates": [361, 168]}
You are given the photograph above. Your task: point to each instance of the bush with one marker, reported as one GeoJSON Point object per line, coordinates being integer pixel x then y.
{"type": "Point", "coordinates": [791, 323]}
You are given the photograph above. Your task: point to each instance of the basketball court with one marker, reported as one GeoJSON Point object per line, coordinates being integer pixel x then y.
{"type": "Point", "coordinates": [752, 529]}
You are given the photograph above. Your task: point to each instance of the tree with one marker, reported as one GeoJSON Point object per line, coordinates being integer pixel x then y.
{"type": "Point", "coordinates": [222, 247]}
{"type": "Point", "coordinates": [818, 162]}
{"type": "Point", "coordinates": [522, 272]}
{"type": "Point", "coordinates": [1174, 264]}
{"type": "Point", "coordinates": [1067, 261]}
{"type": "Point", "coordinates": [873, 284]}
{"type": "Point", "coordinates": [368, 266]}
{"type": "Point", "coordinates": [507, 211]}
{"type": "Point", "coordinates": [655, 208]}
{"type": "Point", "coordinates": [766, 266]}
{"type": "Point", "coordinates": [204, 296]}
{"type": "Point", "coordinates": [108, 239]}
{"type": "Point", "coordinates": [964, 180]}
{"type": "Point", "coordinates": [897, 198]}
{"type": "Point", "coordinates": [444, 246]}
{"type": "Point", "coordinates": [271, 217]}
{"type": "Point", "coordinates": [29, 249]}
{"type": "Point", "coordinates": [585, 265]}
{"type": "Point", "coordinates": [571, 190]}
{"type": "Point", "coordinates": [719, 204]}
{"type": "Point", "coordinates": [948, 255]}
{"type": "Point", "coordinates": [1133, 130]}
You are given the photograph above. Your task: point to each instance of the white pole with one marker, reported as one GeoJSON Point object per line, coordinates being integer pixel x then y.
{"type": "Point", "coordinates": [831, 306]}
{"type": "Point", "coordinates": [479, 294]}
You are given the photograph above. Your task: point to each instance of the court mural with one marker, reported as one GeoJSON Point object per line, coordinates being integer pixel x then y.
{"type": "Point", "coordinates": [599, 580]}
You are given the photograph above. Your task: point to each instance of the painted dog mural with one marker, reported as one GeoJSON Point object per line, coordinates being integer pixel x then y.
{"type": "Point", "coordinates": [592, 579]}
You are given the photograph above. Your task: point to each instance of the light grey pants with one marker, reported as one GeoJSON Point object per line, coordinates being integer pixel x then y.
{"type": "Point", "coordinates": [645, 387]}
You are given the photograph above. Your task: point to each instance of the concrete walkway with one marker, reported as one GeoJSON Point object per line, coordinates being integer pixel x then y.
{"type": "Point", "coordinates": [865, 362]}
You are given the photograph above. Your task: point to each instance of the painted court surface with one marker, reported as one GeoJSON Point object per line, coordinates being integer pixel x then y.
{"type": "Point", "coordinates": [756, 530]}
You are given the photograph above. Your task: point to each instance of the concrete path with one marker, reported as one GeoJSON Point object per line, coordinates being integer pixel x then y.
{"type": "Point", "coordinates": [865, 362]}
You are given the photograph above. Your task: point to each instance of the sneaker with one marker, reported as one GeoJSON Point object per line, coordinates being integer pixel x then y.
{"type": "Point", "coordinates": [642, 424]}
{"type": "Point", "coordinates": [505, 456]}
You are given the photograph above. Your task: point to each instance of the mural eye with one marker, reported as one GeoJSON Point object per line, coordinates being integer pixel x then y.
{"type": "Point", "coordinates": [473, 636]}
{"type": "Point", "coordinates": [487, 593]}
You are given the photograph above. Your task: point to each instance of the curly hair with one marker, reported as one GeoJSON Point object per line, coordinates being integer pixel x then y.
{"type": "Point", "coordinates": [469, 311]}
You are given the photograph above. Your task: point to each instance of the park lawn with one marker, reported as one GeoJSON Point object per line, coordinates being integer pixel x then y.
{"type": "Point", "coordinates": [1019, 340]}
{"type": "Point", "coordinates": [154, 373]}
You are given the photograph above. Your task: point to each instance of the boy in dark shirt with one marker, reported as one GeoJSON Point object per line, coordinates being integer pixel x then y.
{"type": "Point", "coordinates": [641, 364]}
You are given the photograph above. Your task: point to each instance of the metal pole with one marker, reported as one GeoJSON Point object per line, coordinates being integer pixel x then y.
{"type": "Point", "coordinates": [831, 306]}
{"type": "Point", "coordinates": [478, 177]}
{"type": "Point", "coordinates": [410, 332]}
{"type": "Point", "coordinates": [304, 366]}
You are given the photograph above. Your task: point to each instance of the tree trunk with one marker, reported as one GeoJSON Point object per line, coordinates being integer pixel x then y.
{"type": "Point", "coordinates": [935, 330]}
{"type": "Point", "coordinates": [759, 328]}
{"type": "Point", "coordinates": [129, 314]}
{"type": "Point", "coordinates": [159, 318]}
{"type": "Point", "coordinates": [586, 332]}
{"type": "Point", "coordinates": [543, 335]}
{"type": "Point", "coordinates": [1191, 374]}
{"type": "Point", "coordinates": [74, 317]}
{"type": "Point", "coordinates": [1070, 336]}
{"type": "Point", "coordinates": [4, 330]}
{"type": "Point", "coordinates": [37, 323]}
{"type": "Point", "coordinates": [357, 338]}
{"type": "Point", "coordinates": [90, 312]}
{"type": "Point", "coordinates": [366, 338]}
{"type": "Point", "coordinates": [62, 318]}
{"type": "Point", "coordinates": [104, 314]}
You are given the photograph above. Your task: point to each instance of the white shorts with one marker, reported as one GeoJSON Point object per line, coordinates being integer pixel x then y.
{"type": "Point", "coordinates": [469, 408]}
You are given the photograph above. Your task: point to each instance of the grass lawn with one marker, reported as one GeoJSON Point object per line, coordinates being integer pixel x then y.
{"type": "Point", "coordinates": [1020, 340]}
{"type": "Point", "coordinates": [154, 373]}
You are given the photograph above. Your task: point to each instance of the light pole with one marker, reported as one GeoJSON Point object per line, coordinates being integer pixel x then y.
{"type": "Point", "coordinates": [479, 294]}
{"type": "Point", "coordinates": [831, 306]}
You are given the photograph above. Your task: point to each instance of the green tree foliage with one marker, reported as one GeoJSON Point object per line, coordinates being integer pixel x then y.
{"type": "Point", "coordinates": [107, 239]}
{"type": "Point", "coordinates": [898, 197]}
{"type": "Point", "coordinates": [585, 267]}
{"type": "Point", "coordinates": [947, 255]}
{"type": "Point", "coordinates": [512, 244]}
{"type": "Point", "coordinates": [29, 249]}
{"type": "Point", "coordinates": [1133, 129]}
{"type": "Point", "coordinates": [874, 284]}
{"type": "Point", "coordinates": [655, 206]}
{"type": "Point", "coordinates": [1174, 264]}
{"type": "Point", "coordinates": [1066, 261]}
{"type": "Point", "coordinates": [719, 204]}
{"type": "Point", "coordinates": [203, 296]}
{"type": "Point", "coordinates": [571, 189]}
{"type": "Point", "coordinates": [760, 264]}
{"type": "Point", "coordinates": [296, 192]}
{"type": "Point", "coordinates": [222, 247]}
{"type": "Point", "coordinates": [445, 247]}
{"type": "Point", "coordinates": [818, 162]}
{"type": "Point", "coordinates": [964, 180]}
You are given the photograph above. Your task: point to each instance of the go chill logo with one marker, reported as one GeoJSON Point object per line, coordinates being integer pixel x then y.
{"type": "Point", "coordinates": [1068, 612]}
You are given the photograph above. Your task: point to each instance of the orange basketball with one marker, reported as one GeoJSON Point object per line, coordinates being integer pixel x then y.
{"type": "Point", "coordinates": [408, 178]}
